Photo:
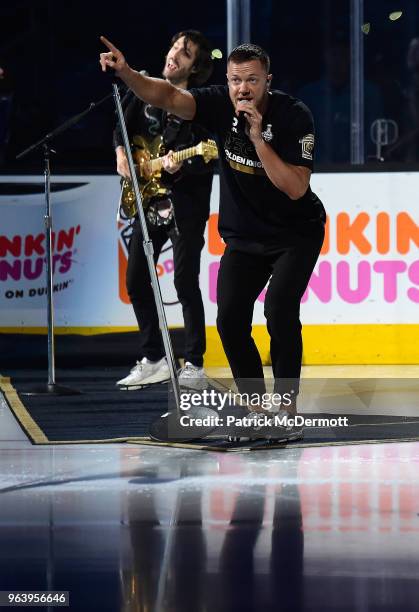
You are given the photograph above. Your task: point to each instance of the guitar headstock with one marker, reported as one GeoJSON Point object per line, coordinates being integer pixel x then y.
{"type": "Point", "coordinates": [208, 150]}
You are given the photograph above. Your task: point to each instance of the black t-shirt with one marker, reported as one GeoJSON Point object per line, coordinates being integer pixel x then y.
{"type": "Point", "coordinates": [191, 186]}
{"type": "Point", "coordinates": [252, 209]}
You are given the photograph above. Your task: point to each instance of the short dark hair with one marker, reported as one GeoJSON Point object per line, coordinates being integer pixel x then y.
{"type": "Point", "coordinates": [203, 65]}
{"type": "Point", "coordinates": [247, 52]}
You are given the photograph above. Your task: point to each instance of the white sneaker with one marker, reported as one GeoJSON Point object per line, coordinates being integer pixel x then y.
{"type": "Point", "coordinates": [192, 376]}
{"type": "Point", "coordinates": [145, 372]}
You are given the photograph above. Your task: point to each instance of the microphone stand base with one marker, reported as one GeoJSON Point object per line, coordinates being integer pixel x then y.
{"type": "Point", "coordinates": [193, 424]}
{"type": "Point", "coordinates": [50, 389]}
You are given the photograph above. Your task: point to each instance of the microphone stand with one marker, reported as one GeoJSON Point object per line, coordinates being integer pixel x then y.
{"type": "Point", "coordinates": [168, 427]}
{"type": "Point", "coordinates": [51, 386]}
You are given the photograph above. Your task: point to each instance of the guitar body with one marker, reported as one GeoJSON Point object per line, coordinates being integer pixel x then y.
{"type": "Point", "coordinates": [149, 182]}
{"type": "Point", "coordinates": [148, 160]}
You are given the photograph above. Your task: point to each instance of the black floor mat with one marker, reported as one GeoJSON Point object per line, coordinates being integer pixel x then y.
{"type": "Point", "coordinates": [102, 413]}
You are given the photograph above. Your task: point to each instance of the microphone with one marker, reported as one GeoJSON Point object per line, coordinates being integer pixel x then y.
{"type": "Point", "coordinates": [241, 119]}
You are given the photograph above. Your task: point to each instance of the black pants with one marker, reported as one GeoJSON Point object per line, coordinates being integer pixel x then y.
{"type": "Point", "coordinates": [187, 246]}
{"type": "Point", "coordinates": [241, 278]}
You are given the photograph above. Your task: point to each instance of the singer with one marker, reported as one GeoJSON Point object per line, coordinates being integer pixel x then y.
{"type": "Point", "coordinates": [271, 221]}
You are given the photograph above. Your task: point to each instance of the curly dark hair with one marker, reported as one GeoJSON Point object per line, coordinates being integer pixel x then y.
{"type": "Point", "coordinates": [246, 52]}
{"type": "Point", "coordinates": [203, 65]}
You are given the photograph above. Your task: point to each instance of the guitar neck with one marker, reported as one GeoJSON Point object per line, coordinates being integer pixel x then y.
{"type": "Point", "coordinates": [178, 156]}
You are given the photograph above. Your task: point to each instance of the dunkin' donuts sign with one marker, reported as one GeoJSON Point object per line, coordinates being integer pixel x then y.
{"type": "Point", "coordinates": [23, 258]}
{"type": "Point", "coordinates": [367, 272]}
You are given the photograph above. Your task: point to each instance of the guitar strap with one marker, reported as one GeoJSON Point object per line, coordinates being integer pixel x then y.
{"type": "Point", "coordinates": [172, 127]}
{"type": "Point", "coordinates": [161, 212]}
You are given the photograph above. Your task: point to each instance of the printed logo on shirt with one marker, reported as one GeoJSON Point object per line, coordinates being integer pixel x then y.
{"type": "Point", "coordinates": [307, 146]}
{"type": "Point", "coordinates": [267, 134]}
{"type": "Point", "coordinates": [244, 164]}
{"type": "Point", "coordinates": [154, 126]}
{"type": "Point", "coordinates": [241, 154]}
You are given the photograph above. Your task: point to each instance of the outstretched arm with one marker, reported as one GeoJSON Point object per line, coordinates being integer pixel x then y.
{"type": "Point", "coordinates": [157, 92]}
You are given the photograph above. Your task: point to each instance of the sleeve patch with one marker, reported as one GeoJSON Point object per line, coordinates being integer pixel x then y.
{"type": "Point", "coordinates": [307, 146]}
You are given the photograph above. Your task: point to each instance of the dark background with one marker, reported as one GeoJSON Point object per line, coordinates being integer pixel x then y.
{"type": "Point", "coordinates": [49, 53]}
{"type": "Point", "coordinates": [50, 50]}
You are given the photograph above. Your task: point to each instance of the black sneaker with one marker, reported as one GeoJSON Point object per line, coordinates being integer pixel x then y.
{"type": "Point", "coordinates": [274, 427]}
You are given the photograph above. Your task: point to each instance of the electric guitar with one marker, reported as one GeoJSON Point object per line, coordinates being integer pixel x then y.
{"type": "Point", "coordinates": [148, 159]}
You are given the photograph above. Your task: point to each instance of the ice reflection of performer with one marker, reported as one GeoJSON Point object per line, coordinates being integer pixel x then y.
{"type": "Point", "coordinates": [243, 587]}
{"type": "Point", "coordinates": [237, 554]}
{"type": "Point", "coordinates": [141, 579]}
{"type": "Point", "coordinates": [287, 551]}
{"type": "Point", "coordinates": [168, 552]}
{"type": "Point", "coordinates": [188, 558]}
{"type": "Point", "coordinates": [170, 566]}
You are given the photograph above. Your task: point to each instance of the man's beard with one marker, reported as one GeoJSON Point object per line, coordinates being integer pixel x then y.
{"type": "Point", "coordinates": [180, 76]}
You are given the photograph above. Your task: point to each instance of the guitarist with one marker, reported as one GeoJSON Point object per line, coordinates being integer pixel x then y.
{"type": "Point", "coordinates": [188, 64]}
